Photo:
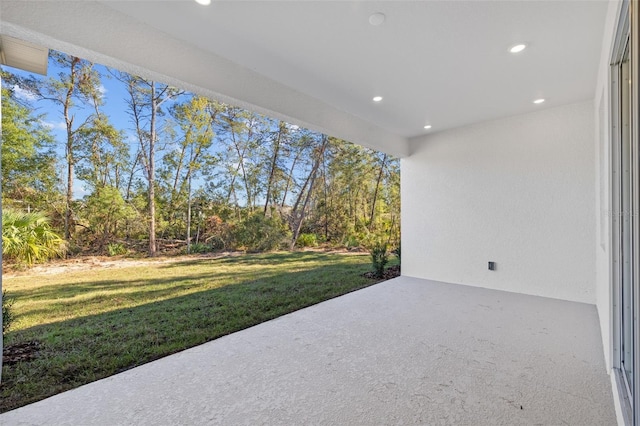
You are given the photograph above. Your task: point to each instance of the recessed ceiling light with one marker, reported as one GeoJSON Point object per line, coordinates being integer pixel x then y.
{"type": "Point", "coordinates": [518, 48]}
{"type": "Point", "coordinates": [204, 2]}
{"type": "Point", "coordinates": [377, 98]}
{"type": "Point", "coordinates": [428, 126]}
{"type": "Point", "coordinates": [538, 101]}
{"type": "Point", "coordinates": [376, 18]}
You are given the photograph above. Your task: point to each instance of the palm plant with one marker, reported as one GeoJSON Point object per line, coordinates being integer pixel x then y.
{"type": "Point", "coordinates": [28, 238]}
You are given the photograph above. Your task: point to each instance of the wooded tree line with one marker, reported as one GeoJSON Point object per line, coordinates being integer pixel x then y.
{"type": "Point", "coordinates": [184, 169]}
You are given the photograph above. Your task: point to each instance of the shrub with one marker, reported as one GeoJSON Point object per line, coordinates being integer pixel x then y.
{"type": "Point", "coordinates": [351, 242]}
{"type": "Point", "coordinates": [216, 243]}
{"type": "Point", "coordinates": [260, 233]}
{"type": "Point", "coordinates": [397, 253]}
{"type": "Point", "coordinates": [28, 238]}
{"type": "Point", "coordinates": [199, 248]}
{"type": "Point", "coordinates": [116, 249]}
{"type": "Point", "coordinates": [7, 312]}
{"type": "Point", "coordinates": [218, 233]}
{"type": "Point", "coordinates": [379, 258]}
{"type": "Point", "coordinates": [307, 240]}
{"type": "Point", "coordinates": [108, 214]}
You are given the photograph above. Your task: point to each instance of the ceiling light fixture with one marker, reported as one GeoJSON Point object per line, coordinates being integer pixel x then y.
{"type": "Point", "coordinates": [204, 2]}
{"type": "Point", "coordinates": [518, 48]}
{"type": "Point", "coordinates": [377, 98]}
{"type": "Point", "coordinates": [538, 101]}
{"type": "Point", "coordinates": [377, 18]}
{"type": "Point", "coordinates": [428, 126]}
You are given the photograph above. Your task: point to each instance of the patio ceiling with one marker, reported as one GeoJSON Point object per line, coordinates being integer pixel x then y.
{"type": "Point", "coordinates": [320, 63]}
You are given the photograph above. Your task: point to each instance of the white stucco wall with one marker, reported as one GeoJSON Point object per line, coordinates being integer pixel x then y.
{"type": "Point", "coordinates": [518, 191]}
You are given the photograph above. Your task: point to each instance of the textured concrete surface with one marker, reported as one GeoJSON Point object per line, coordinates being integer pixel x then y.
{"type": "Point", "coordinates": [406, 351]}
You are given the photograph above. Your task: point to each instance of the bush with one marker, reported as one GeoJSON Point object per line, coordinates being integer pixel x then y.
{"type": "Point", "coordinates": [397, 253]}
{"type": "Point", "coordinates": [307, 240]}
{"type": "Point", "coordinates": [260, 233]}
{"type": "Point", "coordinates": [116, 249]}
{"type": "Point", "coordinates": [216, 243]}
{"type": "Point", "coordinates": [7, 312]}
{"type": "Point", "coordinates": [218, 233]}
{"type": "Point", "coordinates": [107, 214]}
{"type": "Point", "coordinates": [351, 242]}
{"type": "Point", "coordinates": [199, 248]}
{"type": "Point", "coordinates": [28, 238]}
{"type": "Point", "coordinates": [379, 258]}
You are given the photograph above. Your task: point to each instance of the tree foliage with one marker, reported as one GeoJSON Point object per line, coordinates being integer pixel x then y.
{"type": "Point", "coordinates": [184, 170]}
{"type": "Point", "coordinates": [28, 161]}
{"type": "Point", "coordinates": [105, 212]}
{"type": "Point", "coordinates": [76, 85]}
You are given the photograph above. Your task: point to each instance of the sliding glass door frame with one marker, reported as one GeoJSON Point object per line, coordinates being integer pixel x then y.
{"type": "Point", "coordinates": [625, 206]}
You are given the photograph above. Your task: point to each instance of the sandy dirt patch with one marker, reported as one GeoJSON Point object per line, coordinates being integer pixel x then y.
{"type": "Point", "coordinates": [85, 263]}
{"type": "Point", "coordinates": [102, 262]}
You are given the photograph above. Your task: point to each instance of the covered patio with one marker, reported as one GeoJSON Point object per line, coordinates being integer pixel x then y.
{"type": "Point", "coordinates": [405, 351]}
{"type": "Point", "coordinates": [514, 158]}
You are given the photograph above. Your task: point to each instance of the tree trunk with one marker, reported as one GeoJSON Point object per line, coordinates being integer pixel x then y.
{"type": "Point", "coordinates": [69, 195]}
{"type": "Point", "coordinates": [289, 179]}
{"type": "Point", "coordinates": [69, 147]}
{"type": "Point", "coordinates": [299, 216]}
{"type": "Point", "coordinates": [276, 148]}
{"type": "Point", "coordinates": [131, 177]}
{"type": "Point", "coordinates": [152, 174]}
{"type": "Point", "coordinates": [375, 193]}
{"type": "Point", "coordinates": [189, 216]}
{"type": "Point", "coordinates": [241, 154]}
{"type": "Point", "coordinates": [326, 206]}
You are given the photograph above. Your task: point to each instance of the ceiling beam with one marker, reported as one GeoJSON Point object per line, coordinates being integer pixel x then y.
{"type": "Point", "coordinates": [23, 55]}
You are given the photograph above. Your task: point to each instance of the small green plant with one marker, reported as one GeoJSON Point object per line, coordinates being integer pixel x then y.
{"type": "Point", "coordinates": [116, 249]}
{"type": "Point", "coordinates": [379, 258]}
{"type": "Point", "coordinates": [7, 312]}
{"type": "Point", "coordinates": [307, 240]}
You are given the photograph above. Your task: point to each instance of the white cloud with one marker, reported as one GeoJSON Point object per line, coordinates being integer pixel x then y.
{"type": "Point", "coordinates": [131, 138]}
{"type": "Point", "coordinates": [23, 94]}
{"type": "Point", "coordinates": [60, 125]}
{"type": "Point", "coordinates": [80, 191]}
{"type": "Point", "coordinates": [102, 89]}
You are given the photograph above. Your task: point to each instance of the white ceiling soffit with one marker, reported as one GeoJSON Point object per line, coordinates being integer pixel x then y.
{"type": "Point", "coordinates": [23, 55]}
{"type": "Point", "coordinates": [98, 33]}
{"type": "Point", "coordinates": [319, 63]}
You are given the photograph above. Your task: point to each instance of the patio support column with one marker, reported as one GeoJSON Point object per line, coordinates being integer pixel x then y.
{"type": "Point", "coordinates": [1, 140]}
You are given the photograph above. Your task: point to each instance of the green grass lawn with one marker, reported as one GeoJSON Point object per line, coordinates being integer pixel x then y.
{"type": "Point", "coordinates": [94, 323]}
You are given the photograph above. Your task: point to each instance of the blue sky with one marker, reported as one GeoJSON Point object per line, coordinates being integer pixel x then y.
{"type": "Point", "coordinates": [112, 90]}
{"type": "Point", "coordinates": [115, 107]}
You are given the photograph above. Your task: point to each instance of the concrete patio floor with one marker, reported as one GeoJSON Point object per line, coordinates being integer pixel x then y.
{"type": "Point", "coordinates": [406, 351]}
